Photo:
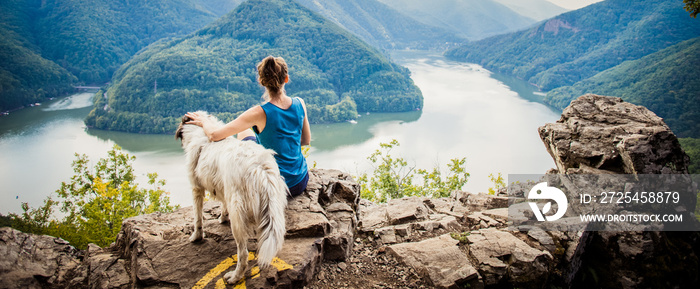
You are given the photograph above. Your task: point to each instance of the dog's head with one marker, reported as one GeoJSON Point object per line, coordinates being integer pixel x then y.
{"type": "Point", "coordinates": [180, 128]}
{"type": "Point", "coordinates": [191, 133]}
{"type": "Point", "coordinates": [194, 134]}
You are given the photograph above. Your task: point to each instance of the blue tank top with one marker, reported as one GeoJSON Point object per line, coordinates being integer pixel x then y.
{"type": "Point", "coordinates": [282, 134]}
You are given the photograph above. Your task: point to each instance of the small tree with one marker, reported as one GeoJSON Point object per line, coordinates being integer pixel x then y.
{"type": "Point", "coordinates": [692, 6]}
{"type": "Point", "coordinates": [393, 177]}
{"type": "Point", "coordinates": [435, 187]}
{"type": "Point", "coordinates": [498, 183]}
{"type": "Point", "coordinates": [95, 202]}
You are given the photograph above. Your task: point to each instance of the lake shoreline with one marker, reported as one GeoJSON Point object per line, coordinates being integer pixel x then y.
{"type": "Point", "coordinates": [489, 123]}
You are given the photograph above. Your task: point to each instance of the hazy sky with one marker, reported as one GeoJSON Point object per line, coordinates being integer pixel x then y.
{"type": "Point", "coordinates": [573, 4]}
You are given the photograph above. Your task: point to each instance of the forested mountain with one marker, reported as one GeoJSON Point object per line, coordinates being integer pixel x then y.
{"type": "Point", "coordinates": [92, 38]}
{"type": "Point", "coordinates": [667, 82]}
{"type": "Point", "coordinates": [535, 9]}
{"type": "Point", "coordinates": [214, 69]}
{"type": "Point", "coordinates": [382, 26]}
{"type": "Point", "coordinates": [581, 43]}
{"type": "Point", "coordinates": [25, 76]}
{"type": "Point", "coordinates": [50, 45]}
{"type": "Point", "coordinates": [473, 19]}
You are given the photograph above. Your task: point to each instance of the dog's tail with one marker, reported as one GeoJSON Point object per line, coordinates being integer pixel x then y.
{"type": "Point", "coordinates": [272, 220]}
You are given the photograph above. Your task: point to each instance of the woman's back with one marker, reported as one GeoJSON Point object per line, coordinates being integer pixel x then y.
{"type": "Point", "coordinates": [282, 133]}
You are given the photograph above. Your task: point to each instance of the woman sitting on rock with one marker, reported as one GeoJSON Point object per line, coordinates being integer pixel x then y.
{"type": "Point", "coordinates": [279, 124]}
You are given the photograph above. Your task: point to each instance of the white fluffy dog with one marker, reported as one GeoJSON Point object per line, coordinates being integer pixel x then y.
{"type": "Point", "coordinates": [245, 178]}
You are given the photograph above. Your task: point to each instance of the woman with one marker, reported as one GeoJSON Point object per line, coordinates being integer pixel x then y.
{"type": "Point", "coordinates": [279, 124]}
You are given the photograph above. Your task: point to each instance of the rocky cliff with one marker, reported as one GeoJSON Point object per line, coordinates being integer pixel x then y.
{"type": "Point", "coordinates": [605, 135]}
{"type": "Point", "coordinates": [336, 240]}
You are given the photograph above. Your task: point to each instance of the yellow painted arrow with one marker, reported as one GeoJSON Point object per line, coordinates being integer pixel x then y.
{"type": "Point", "coordinates": [278, 263]}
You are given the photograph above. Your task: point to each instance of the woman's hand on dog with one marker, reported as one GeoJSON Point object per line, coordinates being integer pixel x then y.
{"type": "Point", "coordinates": [195, 119]}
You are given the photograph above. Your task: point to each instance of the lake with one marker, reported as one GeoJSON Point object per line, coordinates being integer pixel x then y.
{"type": "Point", "coordinates": [490, 119]}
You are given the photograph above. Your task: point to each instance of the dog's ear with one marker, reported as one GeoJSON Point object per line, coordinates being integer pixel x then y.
{"type": "Point", "coordinates": [178, 133]}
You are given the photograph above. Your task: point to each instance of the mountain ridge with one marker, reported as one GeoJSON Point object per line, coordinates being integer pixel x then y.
{"type": "Point", "coordinates": [51, 45]}
{"type": "Point", "coordinates": [536, 9]}
{"type": "Point", "coordinates": [473, 19]}
{"type": "Point", "coordinates": [383, 26]}
{"type": "Point", "coordinates": [578, 44]}
{"type": "Point", "coordinates": [213, 69]}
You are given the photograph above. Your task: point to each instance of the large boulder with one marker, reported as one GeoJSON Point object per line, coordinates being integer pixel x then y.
{"type": "Point", "coordinates": [605, 135]}
{"type": "Point", "coordinates": [33, 261]}
{"type": "Point", "coordinates": [601, 133]}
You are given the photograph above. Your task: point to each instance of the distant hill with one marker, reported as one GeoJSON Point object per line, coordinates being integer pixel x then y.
{"type": "Point", "coordinates": [93, 40]}
{"type": "Point", "coordinates": [473, 19]}
{"type": "Point", "coordinates": [536, 9]}
{"type": "Point", "coordinates": [214, 69]}
{"type": "Point", "coordinates": [579, 44]}
{"type": "Point", "coordinates": [50, 45]}
{"type": "Point", "coordinates": [218, 7]}
{"type": "Point", "coordinates": [383, 26]}
{"type": "Point", "coordinates": [25, 76]}
{"type": "Point", "coordinates": [666, 82]}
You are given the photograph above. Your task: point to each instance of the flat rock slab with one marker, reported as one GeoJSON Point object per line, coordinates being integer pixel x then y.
{"type": "Point", "coordinates": [438, 260]}
{"type": "Point", "coordinates": [504, 257]}
{"type": "Point", "coordinates": [155, 251]}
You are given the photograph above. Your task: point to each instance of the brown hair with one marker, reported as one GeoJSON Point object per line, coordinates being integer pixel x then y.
{"type": "Point", "coordinates": [272, 72]}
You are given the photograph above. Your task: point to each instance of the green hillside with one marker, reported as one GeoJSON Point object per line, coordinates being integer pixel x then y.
{"type": "Point", "coordinates": [382, 26]}
{"type": "Point", "coordinates": [691, 146]}
{"type": "Point", "coordinates": [581, 43]}
{"type": "Point", "coordinates": [667, 82]}
{"type": "Point", "coordinates": [92, 38]}
{"type": "Point", "coordinates": [50, 45]}
{"type": "Point", "coordinates": [25, 76]}
{"type": "Point", "coordinates": [214, 69]}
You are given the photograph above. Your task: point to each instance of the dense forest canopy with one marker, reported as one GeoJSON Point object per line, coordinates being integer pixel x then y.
{"type": "Point", "coordinates": [50, 45]}
{"type": "Point", "coordinates": [25, 76]}
{"type": "Point", "coordinates": [92, 38]}
{"type": "Point", "coordinates": [666, 82]}
{"type": "Point", "coordinates": [213, 69]}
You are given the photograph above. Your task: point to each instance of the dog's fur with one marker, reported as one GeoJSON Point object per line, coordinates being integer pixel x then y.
{"type": "Point", "coordinates": [245, 178]}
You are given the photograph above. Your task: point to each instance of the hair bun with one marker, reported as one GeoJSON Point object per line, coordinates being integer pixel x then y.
{"type": "Point", "coordinates": [272, 72]}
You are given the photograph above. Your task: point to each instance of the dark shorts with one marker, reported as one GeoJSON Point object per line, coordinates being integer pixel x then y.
{"type": "Point", "coordinates": [250, 138]}
{"type": "Point", "coordinates": [297, 189]}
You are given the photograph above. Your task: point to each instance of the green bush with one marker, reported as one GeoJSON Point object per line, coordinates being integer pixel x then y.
{"type": "Point", "coordinates": [393, 178]}
{"type": "Point", "coordinates": [95, 202]}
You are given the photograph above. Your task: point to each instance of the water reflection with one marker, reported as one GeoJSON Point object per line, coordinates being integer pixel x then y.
{"type": "Point", "coordinates": [152, 143]}
{"type": "Point", "coordinates": [328, 137]}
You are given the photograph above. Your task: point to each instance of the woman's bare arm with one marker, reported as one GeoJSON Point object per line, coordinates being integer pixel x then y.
{"type": "Point", "coordinates": [251, 117]}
